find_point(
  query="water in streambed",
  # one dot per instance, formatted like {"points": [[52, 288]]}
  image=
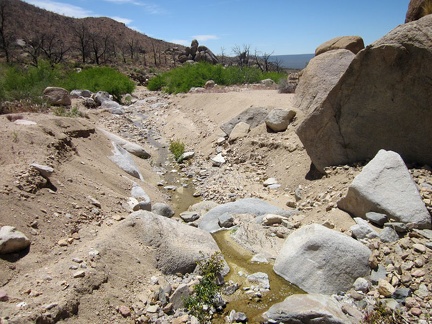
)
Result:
{"points": [[240, 265], [236, 256], [238, 260]]}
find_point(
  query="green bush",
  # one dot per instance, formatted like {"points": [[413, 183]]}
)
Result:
{"points": [[183, 78], [100, 79], [207, 288], [27, 83], [177, 148]]}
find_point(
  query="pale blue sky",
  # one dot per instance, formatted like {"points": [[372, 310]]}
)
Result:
{"points": [[266, 26]]}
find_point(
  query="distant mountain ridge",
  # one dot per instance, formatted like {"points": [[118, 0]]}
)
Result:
{"points": [[293, 61]]}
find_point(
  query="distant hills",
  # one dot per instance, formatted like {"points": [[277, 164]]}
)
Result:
{"points": [[29, 34], [295, 61]]}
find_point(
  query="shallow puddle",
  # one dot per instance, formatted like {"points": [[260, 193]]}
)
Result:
{"points": [[238, 259]]}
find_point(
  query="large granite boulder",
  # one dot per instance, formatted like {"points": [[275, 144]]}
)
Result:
{"points": [[385, 186], [320, 76], [320, 260], [252, 206], [310, 308], [381, 102], [57, 96], [177, 246], [352, 43]]}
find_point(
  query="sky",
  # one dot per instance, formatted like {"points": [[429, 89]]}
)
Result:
{"points": [[277, 27]]}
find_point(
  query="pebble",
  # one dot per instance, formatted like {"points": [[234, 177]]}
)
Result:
{"points": [[79, 274], [419, 248], [3, 296], [124, 311]]}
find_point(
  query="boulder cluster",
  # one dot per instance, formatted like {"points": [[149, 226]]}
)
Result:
{"points": [[197, 53]]}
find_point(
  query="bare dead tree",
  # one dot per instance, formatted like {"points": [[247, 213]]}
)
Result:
{"points": [[262, 60], [242, 54], [101, 48], [33, 48], [222, 55], [83, 40], [154, 53], [5, 37], [54, 48]]}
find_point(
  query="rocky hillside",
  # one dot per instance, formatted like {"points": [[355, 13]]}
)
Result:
{"points": [[30, 33]]}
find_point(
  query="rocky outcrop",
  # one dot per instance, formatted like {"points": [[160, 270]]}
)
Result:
{"points": [[385, 186], [320, 76], [310, 308], [321, 260], [197, 53], [381, 102], [352, 43]]}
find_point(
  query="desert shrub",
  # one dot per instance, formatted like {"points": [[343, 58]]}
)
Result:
{"points": [[64, 112], [27, 83], [205, 292], [177, 148], [100, 79], [185, 77]]}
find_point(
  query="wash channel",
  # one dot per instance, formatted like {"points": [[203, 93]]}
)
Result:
{"points": [[237, 257]]}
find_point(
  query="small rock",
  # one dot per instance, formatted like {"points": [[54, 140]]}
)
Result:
{"points": [[416, 311], [189, 216], [63, 242], [419, 248], [226, 220], [79, 274], [218, 160], [270, 181], [418, 273], [361, 284], [152, 309], [124, 311], [3, 296], [385, 288], [44, 170], [376, 218], [12, 240]]}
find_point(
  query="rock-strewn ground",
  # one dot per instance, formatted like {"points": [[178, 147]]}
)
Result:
{"points": [[69, 218]]}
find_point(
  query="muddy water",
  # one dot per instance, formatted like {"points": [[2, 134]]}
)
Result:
{"points": [[239, 261]]}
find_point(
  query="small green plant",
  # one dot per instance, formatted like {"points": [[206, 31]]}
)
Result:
{"points": [[383, 315], [177, 148], [63, 112], [15, 137], [205, 292]]}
